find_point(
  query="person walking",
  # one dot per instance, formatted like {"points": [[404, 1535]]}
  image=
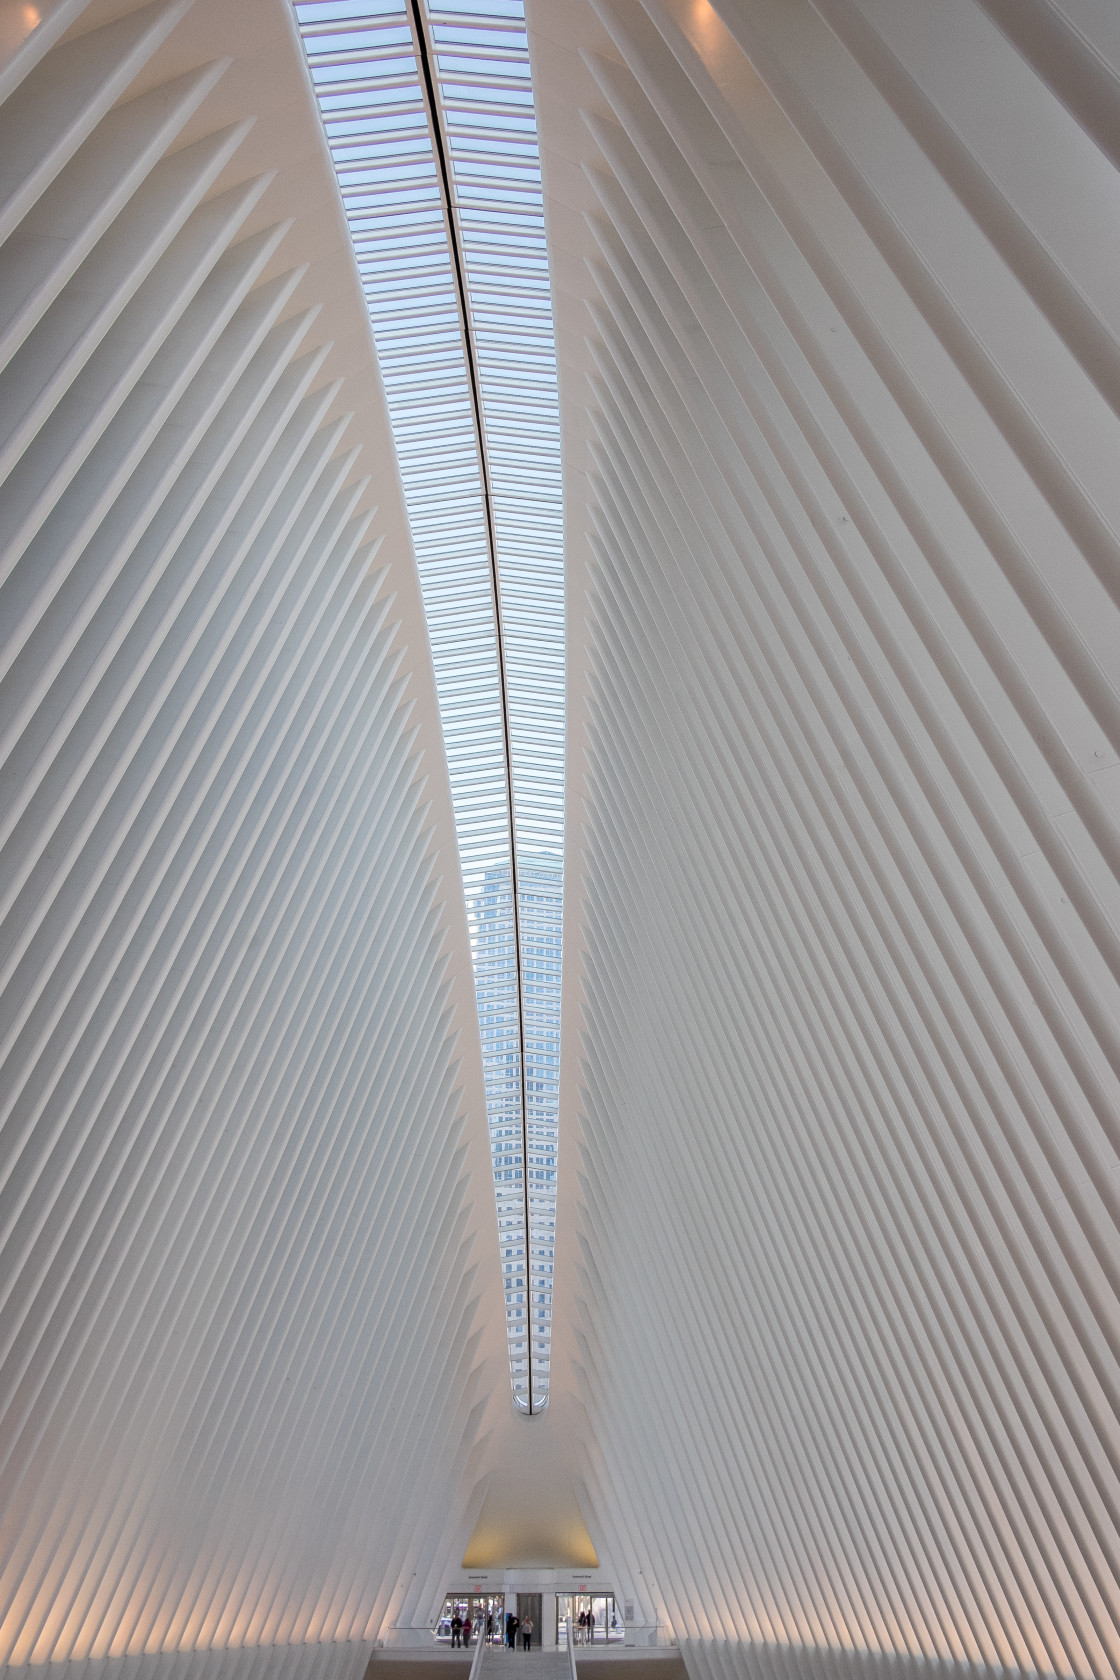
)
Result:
{"points": [[467, 1625], [527, 1632], [456, 1630], [580, 1636], [489, 1627], [511, 1631], [590, 1626]]}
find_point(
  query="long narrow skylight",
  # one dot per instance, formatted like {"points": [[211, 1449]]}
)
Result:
{"points": [[419, 262]]}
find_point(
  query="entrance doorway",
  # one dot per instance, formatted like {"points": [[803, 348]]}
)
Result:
{"points": [[529, 1604], [486, 1611], [601, 1630]]}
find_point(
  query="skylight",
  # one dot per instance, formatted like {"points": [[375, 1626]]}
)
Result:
{"points": [[500, 681]]}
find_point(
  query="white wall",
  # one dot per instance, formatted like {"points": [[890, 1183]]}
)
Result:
{"points": [[838, 326], [251, 1329], [836, 1319]]}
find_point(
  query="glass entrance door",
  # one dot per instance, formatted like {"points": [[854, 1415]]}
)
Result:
{"points": [[593, 1618], [486, 1613]]}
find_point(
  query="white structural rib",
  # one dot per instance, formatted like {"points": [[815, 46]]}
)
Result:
{"points": [[429, 115], [839, 341], [243, 1333], [840, 352]]}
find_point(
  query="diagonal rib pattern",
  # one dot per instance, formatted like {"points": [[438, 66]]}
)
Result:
{"points": [[839, 362], [241, 1350]]}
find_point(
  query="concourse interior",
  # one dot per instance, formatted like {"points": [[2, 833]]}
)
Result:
{"points": [[593, 1618], [560, 839]]}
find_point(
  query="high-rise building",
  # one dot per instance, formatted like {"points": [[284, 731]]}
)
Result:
{"points": [[522, 1181]]}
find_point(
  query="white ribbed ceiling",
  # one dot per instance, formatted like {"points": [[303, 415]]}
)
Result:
{"points": [[838, 343], [835, 1371], [247, 1336]]}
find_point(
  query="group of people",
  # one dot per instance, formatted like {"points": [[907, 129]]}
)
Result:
{"points": [[462, 1627], [515, 1624]]}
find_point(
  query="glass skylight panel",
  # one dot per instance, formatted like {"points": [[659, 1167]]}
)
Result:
{"points": [[372, 97]]}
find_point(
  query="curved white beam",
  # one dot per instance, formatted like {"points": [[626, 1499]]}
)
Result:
{"points": [[250, 1324], [837, 326]]}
